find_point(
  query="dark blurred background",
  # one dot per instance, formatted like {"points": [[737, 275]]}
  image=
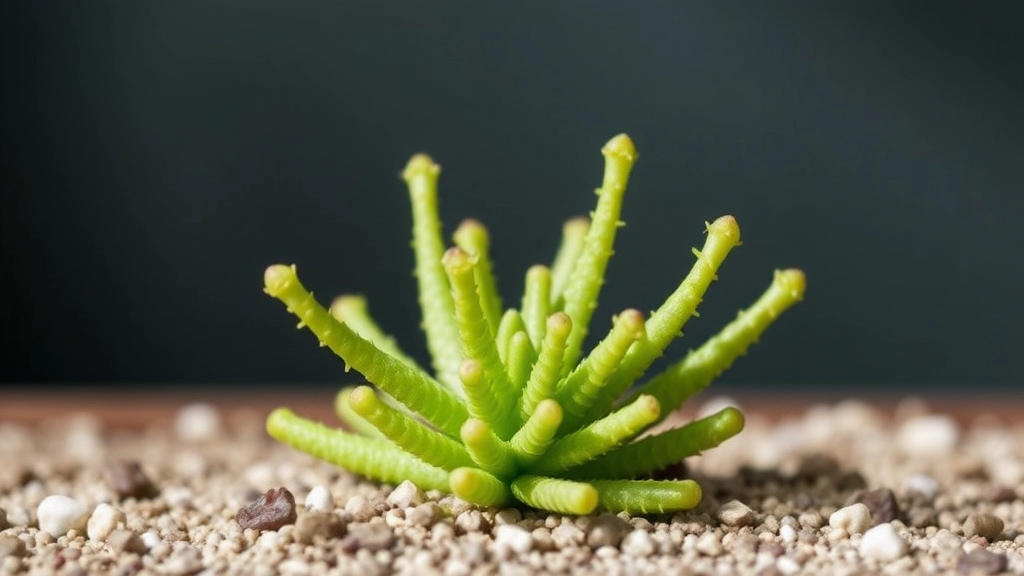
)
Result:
{"points": [[158, 156]]}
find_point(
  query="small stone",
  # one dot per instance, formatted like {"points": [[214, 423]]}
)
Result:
{"points": [[638, 543], [882, 543], [126, 541], [513, 538], [270, 511], [127, 480], [606, 530], [370, 537], [735, 513], [930, 436], [981, 561], [995, 494], [360, 508], [787, 565], [709, 544], [406, 495], [3, 519], [11, 546], [811, 520], [988, 526], [59, 514], [197, 422], [314, 526], [319, 499], [881, 504], [923, 485], [787, 533], [853, 519], [423, 515], [921, 517], [103, 521]]}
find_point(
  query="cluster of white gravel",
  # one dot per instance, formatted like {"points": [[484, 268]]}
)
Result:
{"points": [[842, 489]]}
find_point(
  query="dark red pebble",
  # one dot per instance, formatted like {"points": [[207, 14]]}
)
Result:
{"points": [[270, 511]]}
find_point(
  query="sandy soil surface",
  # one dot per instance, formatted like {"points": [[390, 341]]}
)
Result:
{"points": [[837, 489]]}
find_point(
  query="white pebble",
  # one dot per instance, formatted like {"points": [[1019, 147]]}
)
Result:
{"points": [[150, 539], [787, 533], [360, 508], [882, 543], [922, 484], [59, 514], [638, 543], [735, 513], [787, 565], [514, 538], [854, 519], [103, 521], [928, 436], [319, 499], [406, 495], [197, 422]]}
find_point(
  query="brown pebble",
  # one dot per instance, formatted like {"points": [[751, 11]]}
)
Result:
{"points": [[921, 517], [1000, 494], [606, 530], [11, 546], [3, 519], [981, 561], [818, 466], [851, 481], [270, 511], [127, 480], [371, 537], [987, 526], [773, 548], [314, 526], [881, 503], [126, 541]]}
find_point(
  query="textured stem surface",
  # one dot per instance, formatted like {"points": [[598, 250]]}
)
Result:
{"points": [[472, 236], [647, 496], [555, 494]]}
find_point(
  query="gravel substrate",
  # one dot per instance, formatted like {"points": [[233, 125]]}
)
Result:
{"points": [[841, 489]]}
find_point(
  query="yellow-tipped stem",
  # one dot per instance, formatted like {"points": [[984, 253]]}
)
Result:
{"points": [[349, 418], [420, 175], [587, 276], [487, 450], [521, 358], [598, 437], [511, 323], [556, 495], [574, 234], [472, 236], [548, 369], [533, 439], [536, 302], [479, 487]]}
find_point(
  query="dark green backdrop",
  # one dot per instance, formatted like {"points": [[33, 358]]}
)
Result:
{"points": [[159, 155]]}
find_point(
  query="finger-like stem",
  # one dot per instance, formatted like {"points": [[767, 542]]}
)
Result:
{"points": [[351, 310], [587, 276], [487, 450], [426, 444], [439, 324], [369, 457], [494, 390], [574, 235], [556, 495], [647, 496], [407, 384], [700, 367], [667, 322], [521, 358], [472, 236], [479, 487], [653, 453], [598, 437], [511, 323], [533, 439], [349, 418], [480, 394], [537, 302], [548, 368], [585, 384]]}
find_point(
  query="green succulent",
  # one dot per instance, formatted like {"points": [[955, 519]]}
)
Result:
{"points": [[514, 412]]}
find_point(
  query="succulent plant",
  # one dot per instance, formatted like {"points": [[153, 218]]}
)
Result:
{"points": [[514, 412]]}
